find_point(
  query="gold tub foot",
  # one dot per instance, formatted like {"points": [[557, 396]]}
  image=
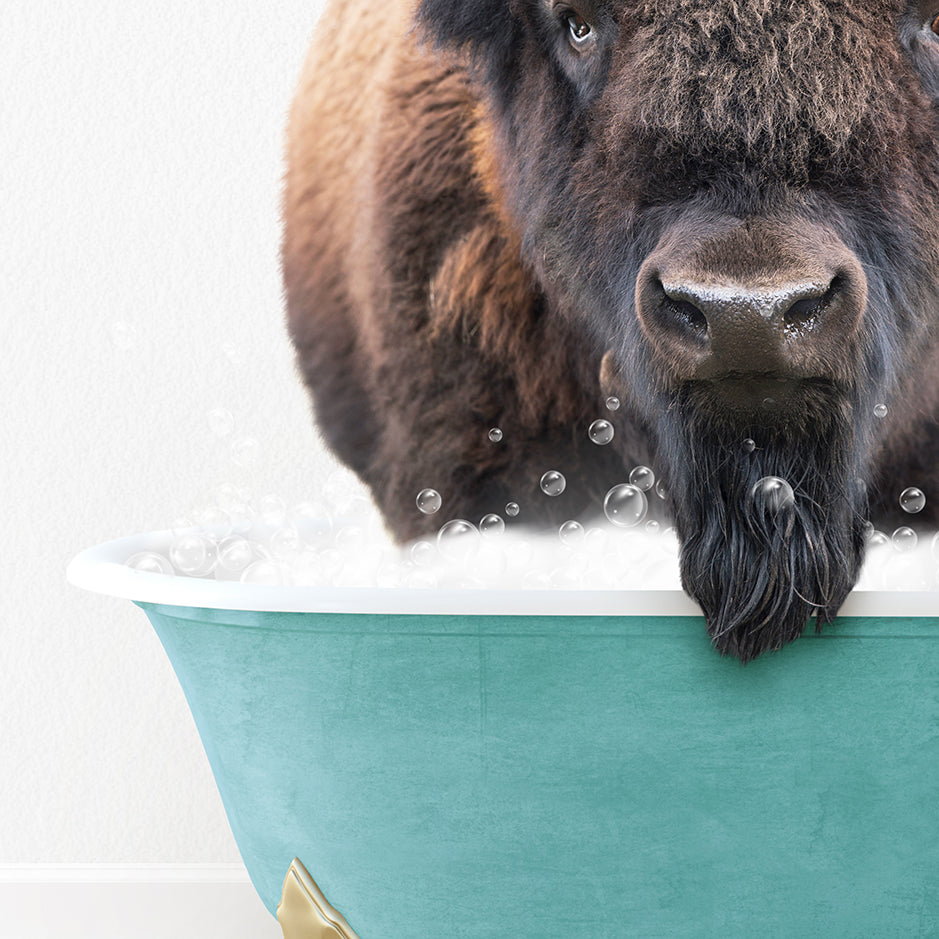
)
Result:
{"points": [[303, 911]]}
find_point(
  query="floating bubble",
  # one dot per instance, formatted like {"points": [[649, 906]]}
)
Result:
{"points": [[912, 500], [660, 490], [769, 403], [748, 446], [625, 505], [553, 483], [880, 410], [429, 501], [600, 432], [491, 524], [234, 554], [495, 434], [773, 494], [458, 540], [422, 553], [612, 403], [245, 450], [876, 538], [242, 517], [221, 421], [904, 539], [652, 526], [192, 553], [272, 510], [571, 533], [642, 478], [268, 573], [149, 561], [511, 509], [311, 520]]}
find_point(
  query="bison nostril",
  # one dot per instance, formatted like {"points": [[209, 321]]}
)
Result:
{"points": [[689, 315], [675, 310], [804, 311]]}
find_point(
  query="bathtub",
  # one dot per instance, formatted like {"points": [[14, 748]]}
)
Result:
{"points": [[417, 764]]}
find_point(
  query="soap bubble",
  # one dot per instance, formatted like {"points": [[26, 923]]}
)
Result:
{"points": [[193, 554], [748, 446], [491, 524], [428, 501], [272, 510], [772, 494], [458, 540], [880, 410], [877, 538], [612, 403], [625, 505], [652, 526], [234, 554], [286, 543], [269, 573], [495, 434], [571, 533], [660, 490], [245, 450], [221, 421], [423, 553], [242, 517], [511, 509], [904, 539], [553, 483], [912, 500], [215, 522], [642, 478], [149, 561], [600, 432], [311, 520], [597, 539]]}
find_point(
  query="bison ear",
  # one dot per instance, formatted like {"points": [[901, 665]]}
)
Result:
{"points": [[471, 24]]}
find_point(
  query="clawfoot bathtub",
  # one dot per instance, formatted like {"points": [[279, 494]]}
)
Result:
{"points": [[548, 763]]}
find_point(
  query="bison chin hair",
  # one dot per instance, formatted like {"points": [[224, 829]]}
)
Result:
{"points": [[759, 563]]}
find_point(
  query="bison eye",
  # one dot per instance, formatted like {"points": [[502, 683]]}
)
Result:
{"points": [[580, 30], [934, 25]]}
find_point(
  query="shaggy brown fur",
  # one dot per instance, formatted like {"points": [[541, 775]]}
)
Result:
{"points": [[471, 197]]}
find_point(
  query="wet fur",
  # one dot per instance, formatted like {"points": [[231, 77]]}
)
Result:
{"points": [[466, 212]]}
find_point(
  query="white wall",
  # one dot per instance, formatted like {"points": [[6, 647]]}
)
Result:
{"points": [[140, 163]]}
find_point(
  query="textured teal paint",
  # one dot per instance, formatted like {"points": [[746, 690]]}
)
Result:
{"points": [[540, 777]]}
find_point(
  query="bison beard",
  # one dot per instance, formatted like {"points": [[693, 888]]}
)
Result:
{"points": [[760, 574]]}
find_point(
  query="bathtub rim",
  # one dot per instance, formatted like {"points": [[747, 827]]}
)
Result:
{"points": [[101, 569]]}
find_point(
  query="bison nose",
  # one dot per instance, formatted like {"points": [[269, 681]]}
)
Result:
{"points": [[795, 319], [744, 328]]}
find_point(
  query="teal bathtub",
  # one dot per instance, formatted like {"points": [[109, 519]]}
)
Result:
{"points": [[581, 765]]}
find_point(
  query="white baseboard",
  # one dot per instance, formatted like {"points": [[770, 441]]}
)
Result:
{"points": [[131, 901]]}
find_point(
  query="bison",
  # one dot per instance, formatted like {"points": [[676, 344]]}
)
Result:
{"points": [[724, 212]]}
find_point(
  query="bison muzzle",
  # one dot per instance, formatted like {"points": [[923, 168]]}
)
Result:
{"points": [[725, 213]]}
